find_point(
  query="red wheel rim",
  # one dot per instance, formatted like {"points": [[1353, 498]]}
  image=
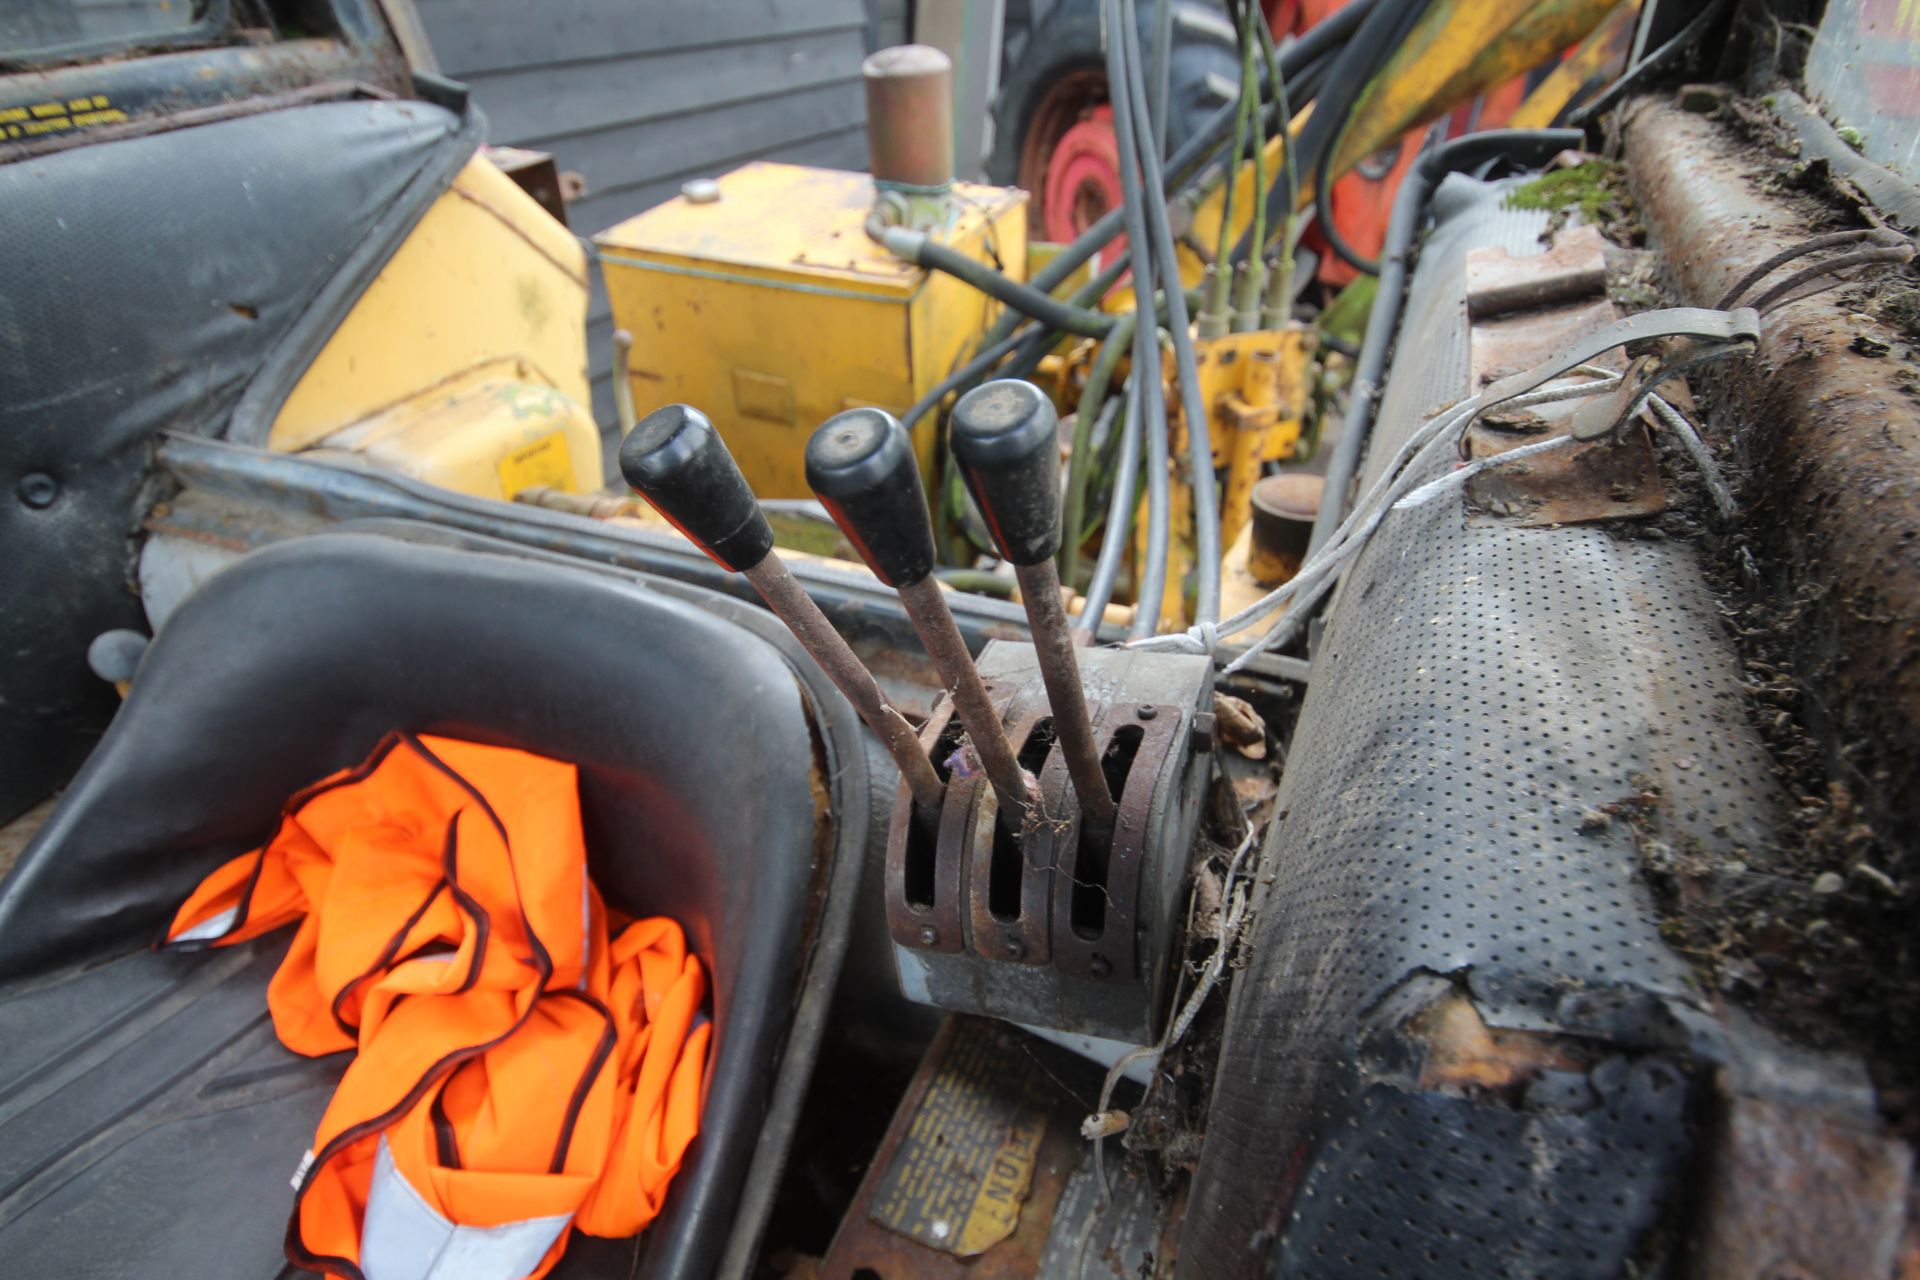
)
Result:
{"points": [[1069, 160]]}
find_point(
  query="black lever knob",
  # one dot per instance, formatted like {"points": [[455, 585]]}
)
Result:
{"points": [[1006, 437], [678, 462], [861, 466]]}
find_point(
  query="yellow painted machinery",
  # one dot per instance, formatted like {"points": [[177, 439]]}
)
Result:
{"points": [[464, 364], [761, 297]]}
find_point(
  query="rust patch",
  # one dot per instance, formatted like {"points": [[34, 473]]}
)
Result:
{"points": [[1823, 571], [1793, 1192], [1574, 268], [1608, 479], [1515, 343], [1464, 1054]]}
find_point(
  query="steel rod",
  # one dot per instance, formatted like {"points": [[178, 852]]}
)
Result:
{"points": [[1059, 667], [926, 606]]}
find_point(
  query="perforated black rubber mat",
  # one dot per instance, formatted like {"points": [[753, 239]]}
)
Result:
{"points": [[1481, 691]]}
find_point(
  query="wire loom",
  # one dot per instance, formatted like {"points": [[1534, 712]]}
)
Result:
{"points": [[1718, 335]]}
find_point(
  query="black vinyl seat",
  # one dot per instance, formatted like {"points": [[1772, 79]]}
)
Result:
{"points": [[150, 1121]]}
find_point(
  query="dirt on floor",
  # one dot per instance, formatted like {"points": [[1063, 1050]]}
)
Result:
{"points": [[1817, 934]]}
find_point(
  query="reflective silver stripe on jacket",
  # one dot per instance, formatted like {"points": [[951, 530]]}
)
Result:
{"points": [[405, 1238]]}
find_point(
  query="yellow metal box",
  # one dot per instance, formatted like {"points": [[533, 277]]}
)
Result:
{"points": [[770, 310]]}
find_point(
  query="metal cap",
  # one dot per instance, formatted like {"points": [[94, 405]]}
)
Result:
{"points": [[1006, 437], [910, 115], [677, 462], [1284, 507], [861, 466]]}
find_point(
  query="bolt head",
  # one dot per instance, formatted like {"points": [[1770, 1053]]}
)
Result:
{"points": [[929, 936], [1147, 712], [1100, 966], [38, 490], [1016, 949], [1202, 730]]}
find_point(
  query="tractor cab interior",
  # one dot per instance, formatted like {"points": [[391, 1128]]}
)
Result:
{"points": [[155, 1079]]}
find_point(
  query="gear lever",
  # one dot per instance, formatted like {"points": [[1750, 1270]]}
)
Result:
{"points": [[1006, 438], [861, 465], [677, 461]]}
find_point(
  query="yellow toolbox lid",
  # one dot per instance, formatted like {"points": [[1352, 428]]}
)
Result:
{"points": [[789, 223]]}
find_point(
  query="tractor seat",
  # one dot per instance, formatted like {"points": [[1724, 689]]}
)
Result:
{"points": [[149, 1119]]}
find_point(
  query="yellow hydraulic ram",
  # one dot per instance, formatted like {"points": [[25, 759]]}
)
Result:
{"points": [[1459, 49]]}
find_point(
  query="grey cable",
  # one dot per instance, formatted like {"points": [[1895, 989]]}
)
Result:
{"points": [[1206, 502], [1146, 347], [1119, 530], [1161, 73], [1697, 449], [1735, 332]]}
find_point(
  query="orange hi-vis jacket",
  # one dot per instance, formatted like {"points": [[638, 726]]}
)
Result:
{"points": [[518, 1071]]}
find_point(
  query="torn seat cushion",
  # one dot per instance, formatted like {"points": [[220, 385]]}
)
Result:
{"points": [[151, 1085]]}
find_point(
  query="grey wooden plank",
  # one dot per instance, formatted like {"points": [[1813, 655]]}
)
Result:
{"points": [[471, 36], [666, 151], [540, 107]]}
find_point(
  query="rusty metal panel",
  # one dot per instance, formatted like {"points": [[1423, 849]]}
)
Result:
{"points": [[1104, 973], [1021, 939]]}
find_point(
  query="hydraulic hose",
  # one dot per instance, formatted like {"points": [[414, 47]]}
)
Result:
{"points": [[1080, 465], [1374, 40], [1033, 337], [1120, 508], [1238, 148], [1248, 53], [1277, 308], [1151, 587], [1309, 58], [1323, 168], [1522, 147], [923, 250], [1206, 502], [1161, 74], [1323, 210]]}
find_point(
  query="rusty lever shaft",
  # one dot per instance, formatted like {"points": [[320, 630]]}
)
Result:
{"points": [[861, 466], [1006, 438], [790, 601], [676, 460]]}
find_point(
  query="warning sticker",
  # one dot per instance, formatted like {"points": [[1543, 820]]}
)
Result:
{"points": [[33, 119], [544, 462], [965, 1165]]}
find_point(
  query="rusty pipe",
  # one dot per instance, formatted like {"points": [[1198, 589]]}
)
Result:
{"points": [[1060, 670], [910, 116], [926, 606]]}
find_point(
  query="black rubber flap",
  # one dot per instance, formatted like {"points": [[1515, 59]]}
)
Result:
{"points": [[144, 284]]}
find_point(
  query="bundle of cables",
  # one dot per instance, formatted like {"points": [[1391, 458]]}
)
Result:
{"points": [[1275, 83]]}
